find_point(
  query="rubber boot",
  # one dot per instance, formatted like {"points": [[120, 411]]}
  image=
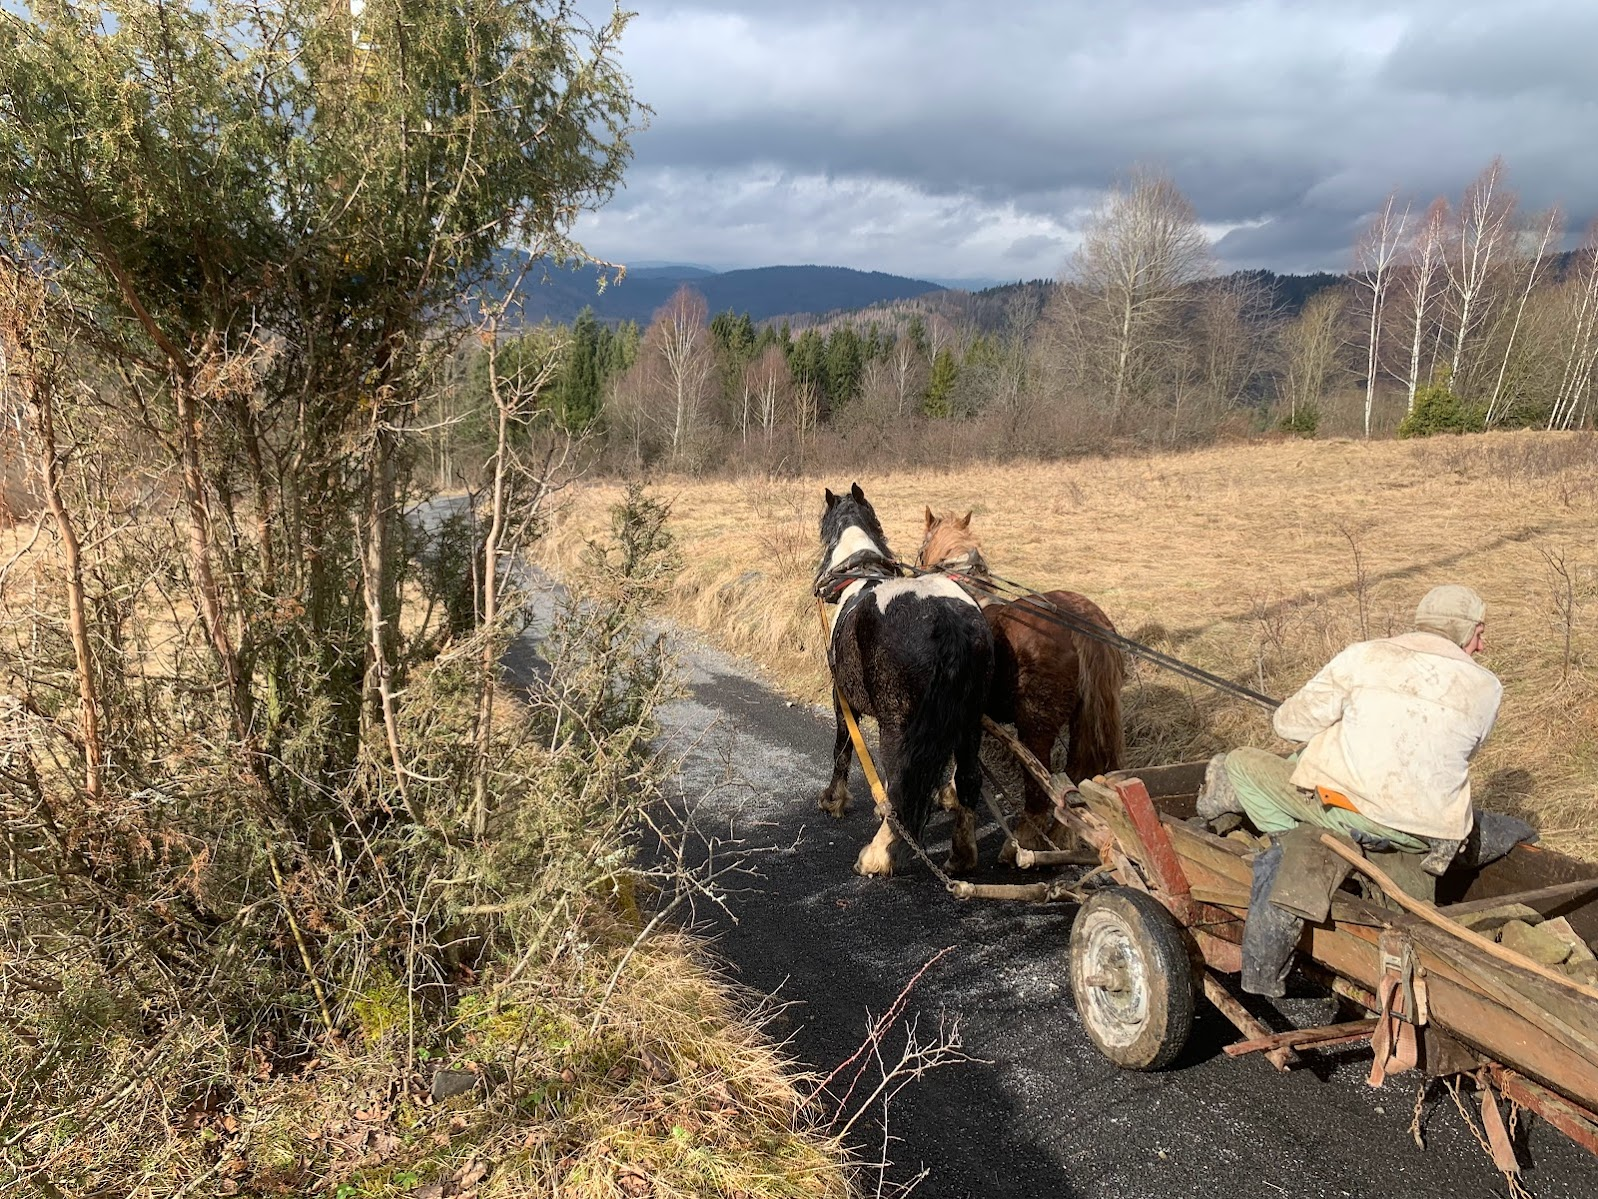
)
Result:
{"points": [[1270, 934], [1217, 797]]}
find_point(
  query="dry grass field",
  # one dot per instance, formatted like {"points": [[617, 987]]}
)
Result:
{"points": [[1257, 561]]}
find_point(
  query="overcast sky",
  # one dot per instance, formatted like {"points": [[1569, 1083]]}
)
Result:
{"points": [[952, 139]]}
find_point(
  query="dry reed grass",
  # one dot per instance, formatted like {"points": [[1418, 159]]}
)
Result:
{"points": [[1257, 561]]}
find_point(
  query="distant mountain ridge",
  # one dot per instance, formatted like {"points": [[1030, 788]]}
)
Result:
{"points": [[559, 294], [818, 294]]}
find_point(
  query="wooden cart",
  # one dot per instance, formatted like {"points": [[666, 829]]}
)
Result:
{"points": [[1170, 929]]}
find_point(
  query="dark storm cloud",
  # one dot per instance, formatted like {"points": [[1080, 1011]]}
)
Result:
{"points": [[975, 138]]}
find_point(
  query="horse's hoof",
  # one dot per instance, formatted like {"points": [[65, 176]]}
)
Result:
{"points": [[833, 805], [1041, 831], [874, 862], [959, 863]]}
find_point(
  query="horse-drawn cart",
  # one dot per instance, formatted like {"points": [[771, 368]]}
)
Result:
{"points": [[1438, 998]]}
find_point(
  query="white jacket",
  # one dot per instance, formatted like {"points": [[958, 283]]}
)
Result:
{"points": [[1392, 725]]}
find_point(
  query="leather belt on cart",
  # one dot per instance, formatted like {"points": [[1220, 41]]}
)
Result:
{"points": [[1401, 994]]}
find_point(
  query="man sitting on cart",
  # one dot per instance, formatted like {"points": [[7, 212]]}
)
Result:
{"points": [[1390, 727]]}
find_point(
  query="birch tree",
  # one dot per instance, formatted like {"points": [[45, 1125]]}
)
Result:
{"points": [[682, 341], [908, 369], [1312, 350], [1419, 283], [1375, 254], [1477, 244], [766, 379], [1546, 232], [1580, 293]]}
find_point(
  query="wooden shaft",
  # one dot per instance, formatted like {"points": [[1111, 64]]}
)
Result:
{"points": [[1027, 892], [1304, 1038], [1431, 916], [1243, 1021], [1025, 859]]}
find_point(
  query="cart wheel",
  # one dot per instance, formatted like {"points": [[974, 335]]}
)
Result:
{"points": [[1132, 978]]}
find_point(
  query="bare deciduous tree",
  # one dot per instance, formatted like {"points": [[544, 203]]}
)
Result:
{"points": [[1374, 256], [1581, 338], [1419, 282], [767, 380], [1546, 230], [1312, 347], [909, 374], [1140, 251], [31, 376], [1477, 243], [681, 339]]}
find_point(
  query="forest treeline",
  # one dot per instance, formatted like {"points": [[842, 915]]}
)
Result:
{"points": [[1455, 315]]}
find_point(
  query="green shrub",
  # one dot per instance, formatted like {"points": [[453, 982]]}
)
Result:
{"points": [[1303, 421], [1438, 410]]}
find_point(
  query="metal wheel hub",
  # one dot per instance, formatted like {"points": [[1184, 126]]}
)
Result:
{"points": [[1117, 987]]}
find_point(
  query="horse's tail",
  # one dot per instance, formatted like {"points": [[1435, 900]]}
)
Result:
{"points": [[948, 713], [1098, 741]]}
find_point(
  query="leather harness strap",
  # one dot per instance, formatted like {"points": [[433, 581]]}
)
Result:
{"points": [[1395, 1043]]}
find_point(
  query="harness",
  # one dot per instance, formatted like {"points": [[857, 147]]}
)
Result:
{"points": [[970, 571], [867, 565]]}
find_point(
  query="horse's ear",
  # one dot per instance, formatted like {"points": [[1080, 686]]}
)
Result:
{"points": [[931, 520], [859, 496], [965, 521], [831, 499]]}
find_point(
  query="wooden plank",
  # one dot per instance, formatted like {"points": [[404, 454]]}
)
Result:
{"points": [[1228, 897], [1581, 886], [1524, 868], [1508, 990], [1158, 858], [1498, 1031], [1430, 915], [1220, 865], [1323, 1037], [1226, 1003], [1221, 954]]}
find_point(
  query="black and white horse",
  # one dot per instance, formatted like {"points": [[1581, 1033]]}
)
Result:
{"points": [[917, 655]]}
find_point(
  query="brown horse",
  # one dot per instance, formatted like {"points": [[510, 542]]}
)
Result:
{"points": [[1045, 676]]}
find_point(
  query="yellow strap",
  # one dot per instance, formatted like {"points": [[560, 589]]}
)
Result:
{"points": [[879, 793]]}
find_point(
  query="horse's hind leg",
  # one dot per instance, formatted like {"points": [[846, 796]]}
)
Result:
{"points": [[834, 800], [1037, 827], [968, 791], [876, 859]]}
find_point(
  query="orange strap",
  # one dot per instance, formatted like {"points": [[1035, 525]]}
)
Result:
{"points": [[1336, 799]]}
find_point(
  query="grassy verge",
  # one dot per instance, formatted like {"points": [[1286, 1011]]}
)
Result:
{"points": [[590, 1058], [1257, 561]]}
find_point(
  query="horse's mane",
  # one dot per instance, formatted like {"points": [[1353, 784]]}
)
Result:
{"points": [[948, 538]]}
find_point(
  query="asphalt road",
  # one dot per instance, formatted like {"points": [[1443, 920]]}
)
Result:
{"points": [[1037, 1112]]}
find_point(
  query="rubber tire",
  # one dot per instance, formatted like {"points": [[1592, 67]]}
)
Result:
{"points": [[1146, 1025]]}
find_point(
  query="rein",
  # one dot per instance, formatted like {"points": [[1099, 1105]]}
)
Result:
{"points": [[971, 569]]}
